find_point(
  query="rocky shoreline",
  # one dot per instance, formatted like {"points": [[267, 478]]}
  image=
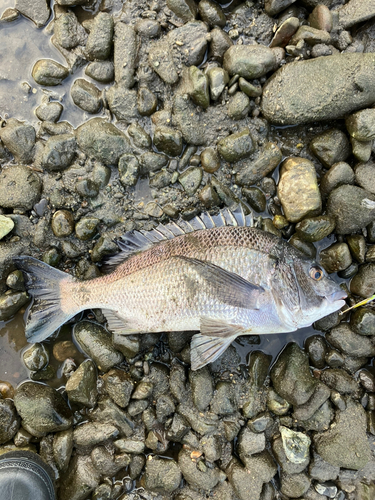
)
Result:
{"points": [[190, 107]]}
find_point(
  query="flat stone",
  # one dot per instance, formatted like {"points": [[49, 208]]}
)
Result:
{"points": [[93, 433], [339, 174], [356, 11], [345, 444], [304, 91], [236, 146], [253, 171], [6, 225], [331, 147], [249, 61], [125, 52], [81, 385], [99, 41], [36, 10], [348, 342], [162, 475], [19, 138], [59, 151], [298, 189], [20, 187], [86, 95], [361, 125], [49, 72]]}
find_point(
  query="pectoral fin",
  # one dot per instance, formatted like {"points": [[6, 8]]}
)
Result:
{"points": [[204, 350], [229, 288]]}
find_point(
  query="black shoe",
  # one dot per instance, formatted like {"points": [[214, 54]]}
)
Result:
{"points": [[24, 476]]}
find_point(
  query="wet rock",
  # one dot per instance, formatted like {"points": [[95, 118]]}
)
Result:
{"points": [[345, 444], [238, 106], [217, 79], [161, 61], [335, 258], [249, 443], [6, 225], [204, 477], [151, 162], [185, 9], [236, 146], [363, 283], [361, 150], [68, 32], [248, 481], [294, 485], [355, 12], [208, 196], [49, 111], [81, 385], [198, 87], [130, 445], [298, 189], [255, 198], [62, 223], [168, 140], [188, 120], [59, 152], [273, 7], [38, 11], [147, 101], [162, 475], [93, 433], [361, 125], [108, 412], [321, 470], [286, 102], [316, 347], [128, 168], [202, 387], [249, 61], [62, 449], [123, 103], [364, 176], [348, 342], [315, 228], [95, 341], [291, 375], [253, 171], [86, 95], [108, 463], [101, 71], [191, 51], [321, 18], [311, 36], [219, 44], [102, 141], [190, 180], [119, 386], [99, 41], [225, 400], [20, 187], [352, 208], [296, 445], [19, 138], [125, 53], [211, 13], [339, 174], [86, 228], [362, 321], [277, 404], [338, 379], [35, 357], [140, 137], [49, 72], [197, 420], [249, 89], [331, 147], [80, 480], [285, 463], [148, 28], [210, 160], [9, 420], [64, 349], [42, 409]]}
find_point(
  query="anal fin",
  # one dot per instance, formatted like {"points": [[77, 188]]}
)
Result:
{"points": [[204, 350], [116, 324]]}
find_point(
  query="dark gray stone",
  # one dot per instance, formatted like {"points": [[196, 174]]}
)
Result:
{"points": [[19, 138], [162, 475], [86, 95], [101, 71], [249, 61], [59, 152], [331, 147], [123, 103], [9, 420], [81, 385], [125, 53], [99, 41], [49, 72], [20, 187]]}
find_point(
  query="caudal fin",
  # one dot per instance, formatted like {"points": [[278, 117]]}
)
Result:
{"points": [[42, 282]]}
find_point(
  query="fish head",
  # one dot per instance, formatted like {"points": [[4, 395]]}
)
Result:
{"points": [[305, 292]]}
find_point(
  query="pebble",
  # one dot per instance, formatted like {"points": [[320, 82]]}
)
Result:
{"points": [[361, 150], [49, 72], [236, 146], [140, 137], [255, 198], [62, 223], [42, 409], [273, 7], [96, 342], [49, 111], [9, 420], [201, 387], [184, 9], [198, 87], [128, 167], [316, 346], [123, 103], [339, 380], [6, 226], [339, 174], [210, 160], [12, 302], [102, 140], [35, 357], [19, 138], [363, 283], [119, 386], [168, 140], [331, 147], [217, 80], [161, 61], [285, 32], [99, 41], [191, 179], [162, 475], [238, 106], [321, 470], [253, 171], [148, 28], [311, 36], [86, 95], [345, 443], [211, 13], [192, 50], [86, 228], [101, 71], [220, 43], [82, 478], [93, 433], [189, 120], [315, 228], [249, 89], [280, 102], [249, 61], [294, 485], [59, 152], [364, 176], [348, 342], [206, 479], [38, 11], [336, 257], [291, 375], [147, 101], [298, 189], [296, 445], [81, 385], [362, 321], [355, 12], [321, 18], [348, 206]]}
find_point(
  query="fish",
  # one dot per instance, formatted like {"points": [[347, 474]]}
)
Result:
{"points": [[218, 275]]}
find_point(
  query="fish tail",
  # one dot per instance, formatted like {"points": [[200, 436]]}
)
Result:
{"points": [[45, 315]]}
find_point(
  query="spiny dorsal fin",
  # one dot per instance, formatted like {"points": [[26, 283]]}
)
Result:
{"points": [[137, 241]]}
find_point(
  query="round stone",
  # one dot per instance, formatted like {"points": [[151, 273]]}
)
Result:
{"points": [[36, 357], [62, 223]]}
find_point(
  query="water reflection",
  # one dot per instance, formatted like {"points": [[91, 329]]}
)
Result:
{"points": [[12, 342]]}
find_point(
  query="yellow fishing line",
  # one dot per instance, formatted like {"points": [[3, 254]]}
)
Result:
{"points": [[362, 303]]}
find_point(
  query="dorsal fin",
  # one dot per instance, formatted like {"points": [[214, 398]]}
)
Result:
{"points": [[137, 241]]}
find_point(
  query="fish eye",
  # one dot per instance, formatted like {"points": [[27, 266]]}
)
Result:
{"points": [[316, 273]]}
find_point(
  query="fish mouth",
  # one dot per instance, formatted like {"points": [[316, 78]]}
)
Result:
{"points": [[340, 295]]}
